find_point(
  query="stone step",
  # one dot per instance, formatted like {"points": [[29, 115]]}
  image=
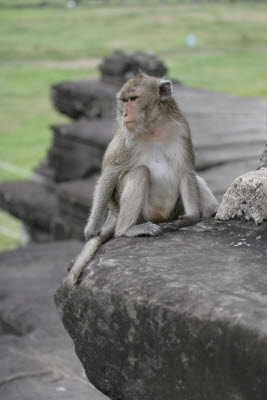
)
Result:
{"points": [[225, 129], [49, 213], [179, 316], [78, 148], [32, 202], [37, 357]]}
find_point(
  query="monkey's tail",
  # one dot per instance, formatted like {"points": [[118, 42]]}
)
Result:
{"points": [[209, 203], [87, 254]]}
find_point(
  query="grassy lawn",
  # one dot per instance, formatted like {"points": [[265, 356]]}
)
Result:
{"points": [[9, 231], [39, 47], [26, 112]]}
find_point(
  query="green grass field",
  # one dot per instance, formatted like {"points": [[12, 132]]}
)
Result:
{"points": [[39, 47]]}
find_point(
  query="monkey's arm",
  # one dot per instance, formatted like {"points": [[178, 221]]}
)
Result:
{"points": [[103, 192], [112, 166]]}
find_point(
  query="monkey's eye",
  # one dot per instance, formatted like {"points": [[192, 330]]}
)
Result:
{"points": [[133, 98], [124, 100]]}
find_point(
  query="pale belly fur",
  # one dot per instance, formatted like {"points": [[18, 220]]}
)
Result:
{"points": [[164, 180]]}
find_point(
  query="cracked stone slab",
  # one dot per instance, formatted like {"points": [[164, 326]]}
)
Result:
{"points": [[37, 357], [179, 316]]}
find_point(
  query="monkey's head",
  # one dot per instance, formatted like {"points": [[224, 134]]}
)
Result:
{"points": [[143, 102]]}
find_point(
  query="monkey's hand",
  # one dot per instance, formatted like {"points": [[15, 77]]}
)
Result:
{"points": [[91, 230], [181, 222]]}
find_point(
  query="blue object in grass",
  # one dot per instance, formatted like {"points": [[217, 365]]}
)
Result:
{"points": [[191, 40]]}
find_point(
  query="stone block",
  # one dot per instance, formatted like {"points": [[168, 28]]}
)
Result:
{"points": [[78, 148], [37, 357], [118, 67], [179, 316], [74, 202], [32, 202], [90, 99]]}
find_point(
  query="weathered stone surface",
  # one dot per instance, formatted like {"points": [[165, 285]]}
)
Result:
{"points": [[119, 67], [74, 203], [179, 316], [263, 160], [224, 128], [37, 358], [90, 99], [30, 201], [44, 172], [246, 198]]}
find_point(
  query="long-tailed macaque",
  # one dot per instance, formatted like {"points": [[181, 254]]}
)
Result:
{"points": [[148, 181]]}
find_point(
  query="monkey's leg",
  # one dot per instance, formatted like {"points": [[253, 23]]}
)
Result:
{"points": [[209, 203], [134, 186], [190, 195], [148, 228]]}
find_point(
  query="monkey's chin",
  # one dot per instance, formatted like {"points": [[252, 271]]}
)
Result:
{"points": [[130, 125]]}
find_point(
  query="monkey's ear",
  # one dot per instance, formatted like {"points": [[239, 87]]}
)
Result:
{"points": [[138, 73], [165, 90]]}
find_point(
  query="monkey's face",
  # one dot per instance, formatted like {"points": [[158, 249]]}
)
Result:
{"points": [[140, 102], [130, 111]]}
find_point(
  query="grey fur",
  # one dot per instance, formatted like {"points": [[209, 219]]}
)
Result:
{"points": [[148, 174]]}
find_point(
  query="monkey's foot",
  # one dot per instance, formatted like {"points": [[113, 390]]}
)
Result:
{"points": [[70, 265], [147, 228], [90, 232], [182, 222]]}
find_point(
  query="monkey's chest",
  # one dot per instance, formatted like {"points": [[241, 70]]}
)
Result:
{"points": [[163, 188]]}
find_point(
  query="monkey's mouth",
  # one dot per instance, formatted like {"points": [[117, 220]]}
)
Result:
{"points": [[129, 122]]}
